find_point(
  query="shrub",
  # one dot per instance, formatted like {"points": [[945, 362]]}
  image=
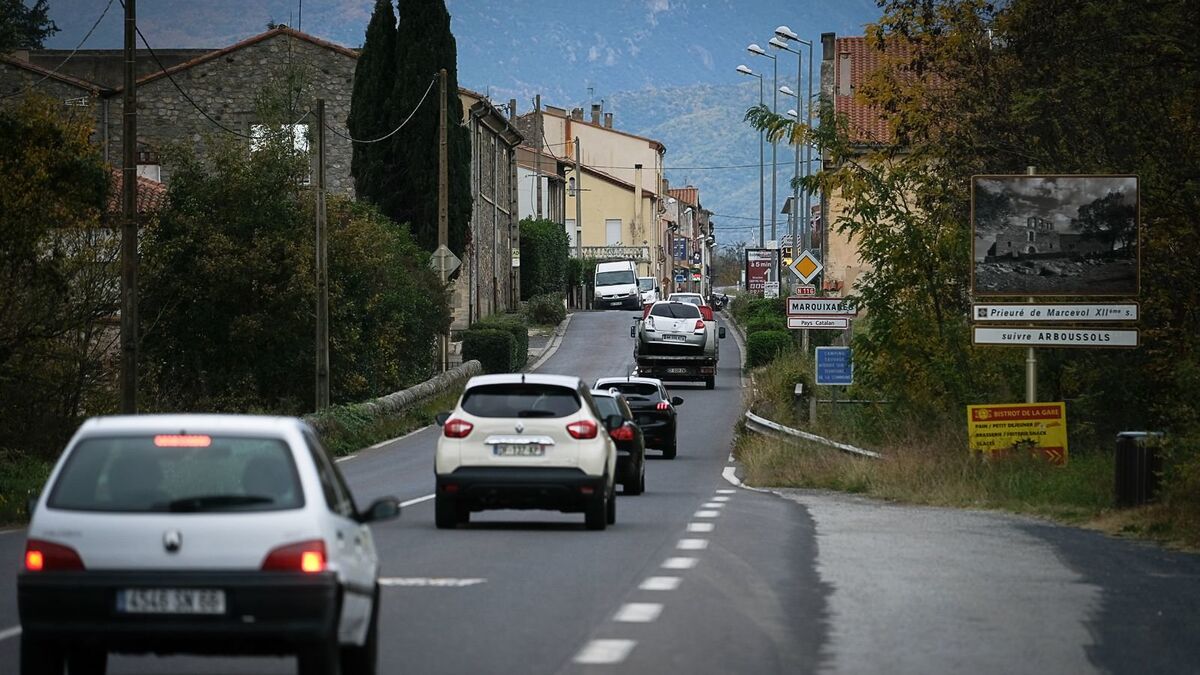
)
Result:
{"points": [[546, 309], [543, 257], [514, 325], [492, 347], [762, 347], [758, 324]]}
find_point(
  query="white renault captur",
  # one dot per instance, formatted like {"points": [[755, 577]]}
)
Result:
{"points": [[210, 534], [525, 441]]}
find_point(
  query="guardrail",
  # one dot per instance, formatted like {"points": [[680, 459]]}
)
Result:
{"points": [[766, 427], [399, 401]]}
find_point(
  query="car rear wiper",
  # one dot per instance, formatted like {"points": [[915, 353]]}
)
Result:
{"points": [[215, 502], [536, 413]]}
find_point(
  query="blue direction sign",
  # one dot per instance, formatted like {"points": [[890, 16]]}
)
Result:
{"points": [[680, 277], [835, 366]]}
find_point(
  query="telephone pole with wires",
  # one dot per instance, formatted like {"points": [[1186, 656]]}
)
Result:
{"points": [[322, 267], [129, 225]]}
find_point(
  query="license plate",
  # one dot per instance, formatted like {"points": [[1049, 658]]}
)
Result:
{"points": [[171, 601], [523, 450], [677, 371], [675, 338]]}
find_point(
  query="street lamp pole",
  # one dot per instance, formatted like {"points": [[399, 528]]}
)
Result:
{"points": [[761, 163], [755, 49], [782, 35]]}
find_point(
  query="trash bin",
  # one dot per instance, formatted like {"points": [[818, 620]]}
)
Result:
{"points": [[1138, 467]]}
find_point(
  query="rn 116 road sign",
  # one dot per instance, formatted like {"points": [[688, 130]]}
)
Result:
{"points": [[835, 365], [820, 307]]}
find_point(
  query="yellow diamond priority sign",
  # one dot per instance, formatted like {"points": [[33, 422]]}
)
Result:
{"points": [[806, 267]]}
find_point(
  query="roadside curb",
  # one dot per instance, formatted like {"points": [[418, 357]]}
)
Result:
{"points": [[551, 348]]}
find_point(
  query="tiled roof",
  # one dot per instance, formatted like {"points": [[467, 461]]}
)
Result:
{"points": [[151, 195], [43, 72], [687, 195], [868, 124]]}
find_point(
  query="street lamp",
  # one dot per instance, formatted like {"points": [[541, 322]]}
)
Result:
{"points": [[784, 36], [744, 70], [759, 51]]}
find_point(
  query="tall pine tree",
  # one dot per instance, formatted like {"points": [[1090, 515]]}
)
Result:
{"points": [[424, 44], [374, 78]]}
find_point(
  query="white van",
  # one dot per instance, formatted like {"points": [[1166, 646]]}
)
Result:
{"points": [[648, 287], [616, 285]]}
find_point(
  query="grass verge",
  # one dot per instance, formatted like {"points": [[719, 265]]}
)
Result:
{"points": [[346, 431], [21, 477]]}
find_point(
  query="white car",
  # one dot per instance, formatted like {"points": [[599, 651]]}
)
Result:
{"points": [[209, 534], [648, 288], [690, 298], [525, 441]]}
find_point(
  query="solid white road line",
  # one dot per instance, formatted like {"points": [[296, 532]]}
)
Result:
{"points": [[700, 527], [726, 491], [721, 498], [380, 444], [659, 584], [713, 505], [679, 563], [347, 458], [599, 652], [707, 514], [10, 632], [13, 530], [440, 582], [692, 544], [638, 612], [418, 500]]}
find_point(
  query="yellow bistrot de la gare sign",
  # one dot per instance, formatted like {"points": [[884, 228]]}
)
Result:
{"points": [[1038, 427]]}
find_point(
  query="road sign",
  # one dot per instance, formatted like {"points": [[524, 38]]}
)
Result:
{"points": [[516, 257], [805, 291], [1025, 336], [680, 277], [835, 365], [820, 307], [806, 267], [818, 322], [759, 262], [771, 289], [1056, 312], [451, 261], [1037, 427]]}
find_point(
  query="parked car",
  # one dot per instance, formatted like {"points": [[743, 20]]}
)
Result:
{"points": [[653, 409], [526, 441], [648, 287], [631, 446], [210, 534], [616, 285]]}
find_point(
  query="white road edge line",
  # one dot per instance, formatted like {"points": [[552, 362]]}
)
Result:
{"points": [[681, 563], [700, 527], [600, 652], [439, 582], [418, 500], [692, 544], [12, 530], [380, 444], [638, 612], [730, 475], [10, 632], [659, 584]]}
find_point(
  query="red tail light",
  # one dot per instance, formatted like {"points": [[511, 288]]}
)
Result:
{"points": [[699, 326], [305, 556], [583, 429], [622, 433], [457, 428], [43, 556], [663, 405]]}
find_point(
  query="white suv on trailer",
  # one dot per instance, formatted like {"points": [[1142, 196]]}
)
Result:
{"points": [[210, 534], [525, 441]]}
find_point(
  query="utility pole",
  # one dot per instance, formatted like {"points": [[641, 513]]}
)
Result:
{"points": [[129, 225], [1030, 355], [774, 168], [537, 178], [322, 268], [443, 201], [579, 221]]}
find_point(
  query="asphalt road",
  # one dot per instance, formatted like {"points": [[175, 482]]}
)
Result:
{"points": [[698, 576]]}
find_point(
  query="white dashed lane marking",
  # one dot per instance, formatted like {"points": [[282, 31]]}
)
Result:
{"points": [[692, 544], [707, 514], [720, 498], [10, 632], [700, 527], [660, 584], [638, 612], [599, 652], [679, 563], [726, 491], [713, 505]]}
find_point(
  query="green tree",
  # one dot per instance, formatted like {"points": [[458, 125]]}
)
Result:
{"points": [[23, 27], [409, 192], [374, 77], [1110, 220], [543, 258]]}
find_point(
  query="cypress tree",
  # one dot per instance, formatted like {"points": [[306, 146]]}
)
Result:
{"points": [[424, 44], [374, 77]]}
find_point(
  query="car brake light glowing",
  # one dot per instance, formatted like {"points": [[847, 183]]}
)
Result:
{"points": [[699, 326], [663, 405], [182, 441], [43, 556], [457, 428], [622, 433], [305, 556], [583, 429]]}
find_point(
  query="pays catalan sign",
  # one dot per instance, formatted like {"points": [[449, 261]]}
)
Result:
{"points": [[1038, 427]]}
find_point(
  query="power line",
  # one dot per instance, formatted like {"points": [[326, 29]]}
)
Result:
{"points": [[393, 131], [69, 56]]}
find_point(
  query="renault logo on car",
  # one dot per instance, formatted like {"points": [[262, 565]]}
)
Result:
{"points": [[172, 540], [520, 427]]}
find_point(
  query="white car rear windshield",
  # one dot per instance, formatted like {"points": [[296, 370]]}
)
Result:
{"points": [[676, 310], [520, 400], [635, 389], [614, 278], [178, 473], [646, 284], [607, 405]]}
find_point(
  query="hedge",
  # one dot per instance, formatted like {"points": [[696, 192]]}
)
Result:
{"points": [[546, 309], [543, 257], [515, 326], [493, 348], [761, 347], [758, 324]]}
